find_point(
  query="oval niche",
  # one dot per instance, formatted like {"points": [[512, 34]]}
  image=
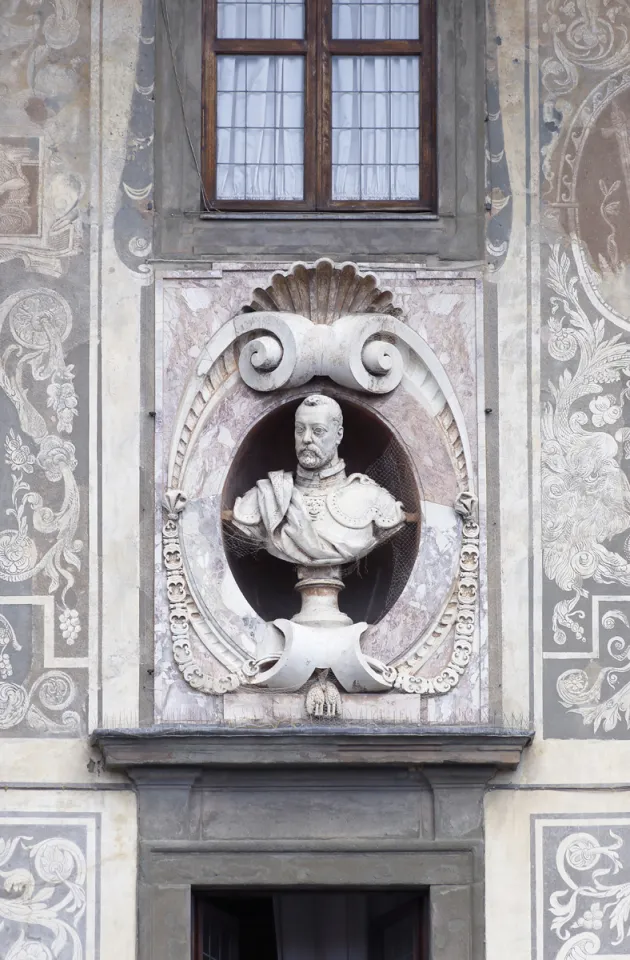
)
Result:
{"points": [[371, 585]]}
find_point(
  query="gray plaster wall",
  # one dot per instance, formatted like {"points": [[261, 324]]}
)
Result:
{"points": [[73, 133], [45, 394]]}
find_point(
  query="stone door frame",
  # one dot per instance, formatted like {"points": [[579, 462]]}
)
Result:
{"points": [[167, 765]]}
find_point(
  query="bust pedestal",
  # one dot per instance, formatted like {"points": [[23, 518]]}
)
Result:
{"points": [[311, 647], [319, 588]]}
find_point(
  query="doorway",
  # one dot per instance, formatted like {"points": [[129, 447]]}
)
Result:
{"points": [[339, 925]]}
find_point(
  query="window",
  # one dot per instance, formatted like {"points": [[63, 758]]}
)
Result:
{"points": [[319, 105], [447, 220]]}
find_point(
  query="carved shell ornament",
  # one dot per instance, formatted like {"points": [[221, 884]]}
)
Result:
{"points": [[335, 323], [323, 293]]}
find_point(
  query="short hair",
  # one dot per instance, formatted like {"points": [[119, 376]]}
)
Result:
{"points": [[320, 400]]}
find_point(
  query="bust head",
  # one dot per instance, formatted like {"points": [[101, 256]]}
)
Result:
{"points": [[318, 432]]}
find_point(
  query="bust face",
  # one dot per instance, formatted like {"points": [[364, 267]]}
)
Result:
{"points": [[317, 436]]}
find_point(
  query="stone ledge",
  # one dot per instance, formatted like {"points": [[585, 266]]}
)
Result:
{"points": [[206, 746]]}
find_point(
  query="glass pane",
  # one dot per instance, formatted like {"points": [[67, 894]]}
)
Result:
{"points": [[376, 20], [254, 20], [260, 128], [375, 128]]}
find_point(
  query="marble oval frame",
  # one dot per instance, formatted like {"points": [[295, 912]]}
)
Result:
{"points": [[217, 413]]}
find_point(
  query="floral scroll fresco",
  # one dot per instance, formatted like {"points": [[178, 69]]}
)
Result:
{"points": [[582, 868], [44, 278], [585, 366], [39, 542], [46, 888]]}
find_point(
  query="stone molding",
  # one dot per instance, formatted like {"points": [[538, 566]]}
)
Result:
{"points": [[191, 746]]}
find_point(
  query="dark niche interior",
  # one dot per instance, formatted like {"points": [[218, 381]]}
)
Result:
{"points": [[374, 583], [300, 925]]}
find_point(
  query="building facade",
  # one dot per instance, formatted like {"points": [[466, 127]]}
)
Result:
{"points": [[215, 220]]}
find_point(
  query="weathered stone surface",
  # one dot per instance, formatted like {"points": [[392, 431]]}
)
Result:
{"points": [[163, 746]]}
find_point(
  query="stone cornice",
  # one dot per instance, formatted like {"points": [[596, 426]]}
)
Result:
{"points": [[204, 746]]}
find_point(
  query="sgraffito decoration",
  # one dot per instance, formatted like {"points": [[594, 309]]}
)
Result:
{"points": [[39, 538], [47, 901], [582, 889], [42, 165], [585, 372]]}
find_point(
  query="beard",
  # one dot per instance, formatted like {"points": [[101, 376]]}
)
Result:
{"points": [[310, 457]]}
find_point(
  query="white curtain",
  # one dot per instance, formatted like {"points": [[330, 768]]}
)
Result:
{"points": [[375, 107], [282, 21], [375, 119], [260, 128], [375, 21]]}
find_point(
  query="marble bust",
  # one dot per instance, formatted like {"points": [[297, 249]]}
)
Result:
{"points": [[321, 518]]}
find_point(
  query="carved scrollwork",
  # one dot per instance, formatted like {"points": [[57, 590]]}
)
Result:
{"points": [[464, 615], [181, 606], [288, 350]]}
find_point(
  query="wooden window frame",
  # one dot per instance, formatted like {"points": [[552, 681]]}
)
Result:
{"points": [[318, 48]]}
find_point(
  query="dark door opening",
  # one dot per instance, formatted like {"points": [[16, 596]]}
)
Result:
{"points": [[357, 925]]}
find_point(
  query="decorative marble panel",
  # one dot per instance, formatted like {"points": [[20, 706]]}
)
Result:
{"points": [[443, 311]]}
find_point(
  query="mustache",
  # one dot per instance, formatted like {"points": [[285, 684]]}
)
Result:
{"points": [[308, 448], [309, 454]]}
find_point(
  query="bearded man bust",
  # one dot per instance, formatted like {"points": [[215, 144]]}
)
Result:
{"points": [[321, 519]]}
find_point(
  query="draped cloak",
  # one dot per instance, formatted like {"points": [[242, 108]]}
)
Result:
{"points": [[351, 518]]}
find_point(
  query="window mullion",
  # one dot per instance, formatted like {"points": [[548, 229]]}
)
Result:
{"points": [[323, 10], [310, 107]]}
